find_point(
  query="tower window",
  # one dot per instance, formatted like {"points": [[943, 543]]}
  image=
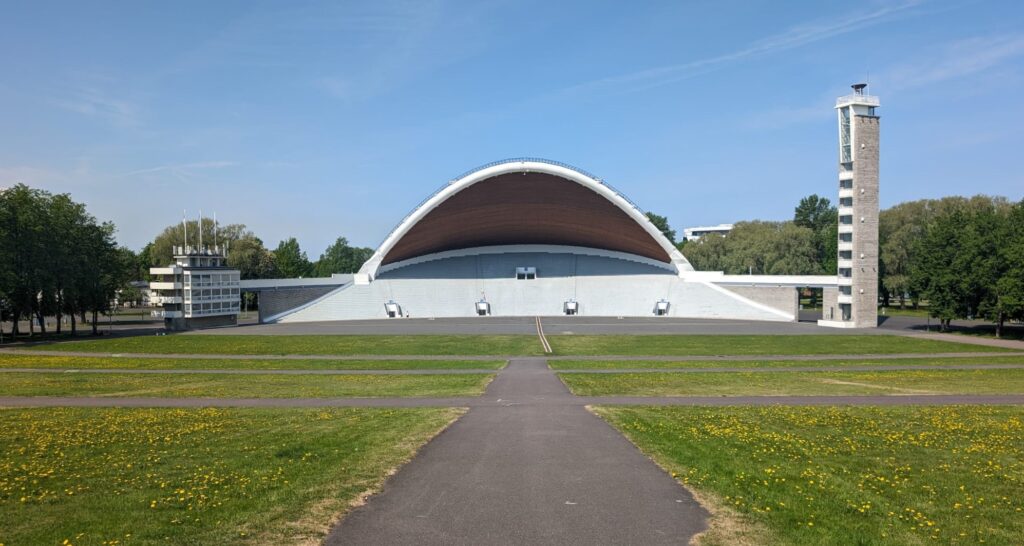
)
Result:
{"points": [[846, 237], [845, 201], [845, 148]]}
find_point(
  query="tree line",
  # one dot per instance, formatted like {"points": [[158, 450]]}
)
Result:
{"points": [[963, 256], [805, 245], [56, 259], [247, 252]]}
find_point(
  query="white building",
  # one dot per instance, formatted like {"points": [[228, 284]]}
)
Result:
{"points": [[695, 233], [199, 290]]}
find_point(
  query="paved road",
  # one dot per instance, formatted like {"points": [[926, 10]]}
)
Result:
{"points": [[524, 473], [527, 326], [210, 356], [673, 358], [450, 371], [486, 401]]}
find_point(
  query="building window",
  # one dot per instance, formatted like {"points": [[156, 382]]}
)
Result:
{"points": [[846, 184], [846, 290], [845, 151], [845, 272], [846, 237], [526, 273], [846, 220], [845, 254], [845, 201]]}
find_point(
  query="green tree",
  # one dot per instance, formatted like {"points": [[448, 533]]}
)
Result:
{"points": [[161, 250], [661, 222], [105, 271], [56, 258], [252, 259], [814, 213], [291, 260], [818, 215], [958, 262], [902, 227], [1009, 300], [766, 248], [23, 212], [341, 258]]}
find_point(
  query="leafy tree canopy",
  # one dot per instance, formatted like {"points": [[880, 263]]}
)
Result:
{"points": [[341, 258], [661, 222], [291, 260]]}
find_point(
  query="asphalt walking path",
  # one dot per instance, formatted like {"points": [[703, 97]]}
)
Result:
{"points": [[670, 358], [486, 401], [527, 470], [477, 371]]}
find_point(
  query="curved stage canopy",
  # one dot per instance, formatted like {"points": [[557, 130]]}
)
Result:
{"points": [[525, 201]]}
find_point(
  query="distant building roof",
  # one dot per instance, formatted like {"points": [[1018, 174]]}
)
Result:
{"points": [[699, 231]]}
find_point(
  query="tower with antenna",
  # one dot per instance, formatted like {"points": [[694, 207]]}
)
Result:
{"points": [[198, 290], [854, 302]]}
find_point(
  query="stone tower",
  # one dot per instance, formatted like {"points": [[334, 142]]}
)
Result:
{"points": [[854, 304]]}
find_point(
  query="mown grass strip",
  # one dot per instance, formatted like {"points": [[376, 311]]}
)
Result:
{"points": [[1007, 381], [109, 362], [195, 476], [865, 475], [308, 345], [754, 345], [691, 364], [242, 386]]}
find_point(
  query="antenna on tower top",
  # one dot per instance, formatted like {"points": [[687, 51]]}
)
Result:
{"points": [[184, 225], [200, 230]]}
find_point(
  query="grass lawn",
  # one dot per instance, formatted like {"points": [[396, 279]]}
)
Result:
{"points": [[683, 364], [905, 312], [241, 386], [752, 345], [865, 475], [195, 476], [110, 362], [308, 345], [796, 383]]}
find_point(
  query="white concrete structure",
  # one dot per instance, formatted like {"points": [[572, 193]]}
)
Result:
{"points": [[528, 237], [197, 291], [695, 233]]}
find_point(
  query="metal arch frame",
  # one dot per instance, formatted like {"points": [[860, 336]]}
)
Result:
{"points": [[373, 265]]}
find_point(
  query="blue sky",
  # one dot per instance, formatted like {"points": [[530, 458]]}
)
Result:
{"points": [[317, 120]]}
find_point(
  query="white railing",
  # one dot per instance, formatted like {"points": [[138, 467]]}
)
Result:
{"points": [[224, 297], [213, 284], [159, 300], [208, 312], [854, 98]]}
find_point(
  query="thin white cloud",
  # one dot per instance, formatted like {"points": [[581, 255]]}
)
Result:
{"points": [[957, 60], [793, 37], [91, 101], [183, 170]]}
